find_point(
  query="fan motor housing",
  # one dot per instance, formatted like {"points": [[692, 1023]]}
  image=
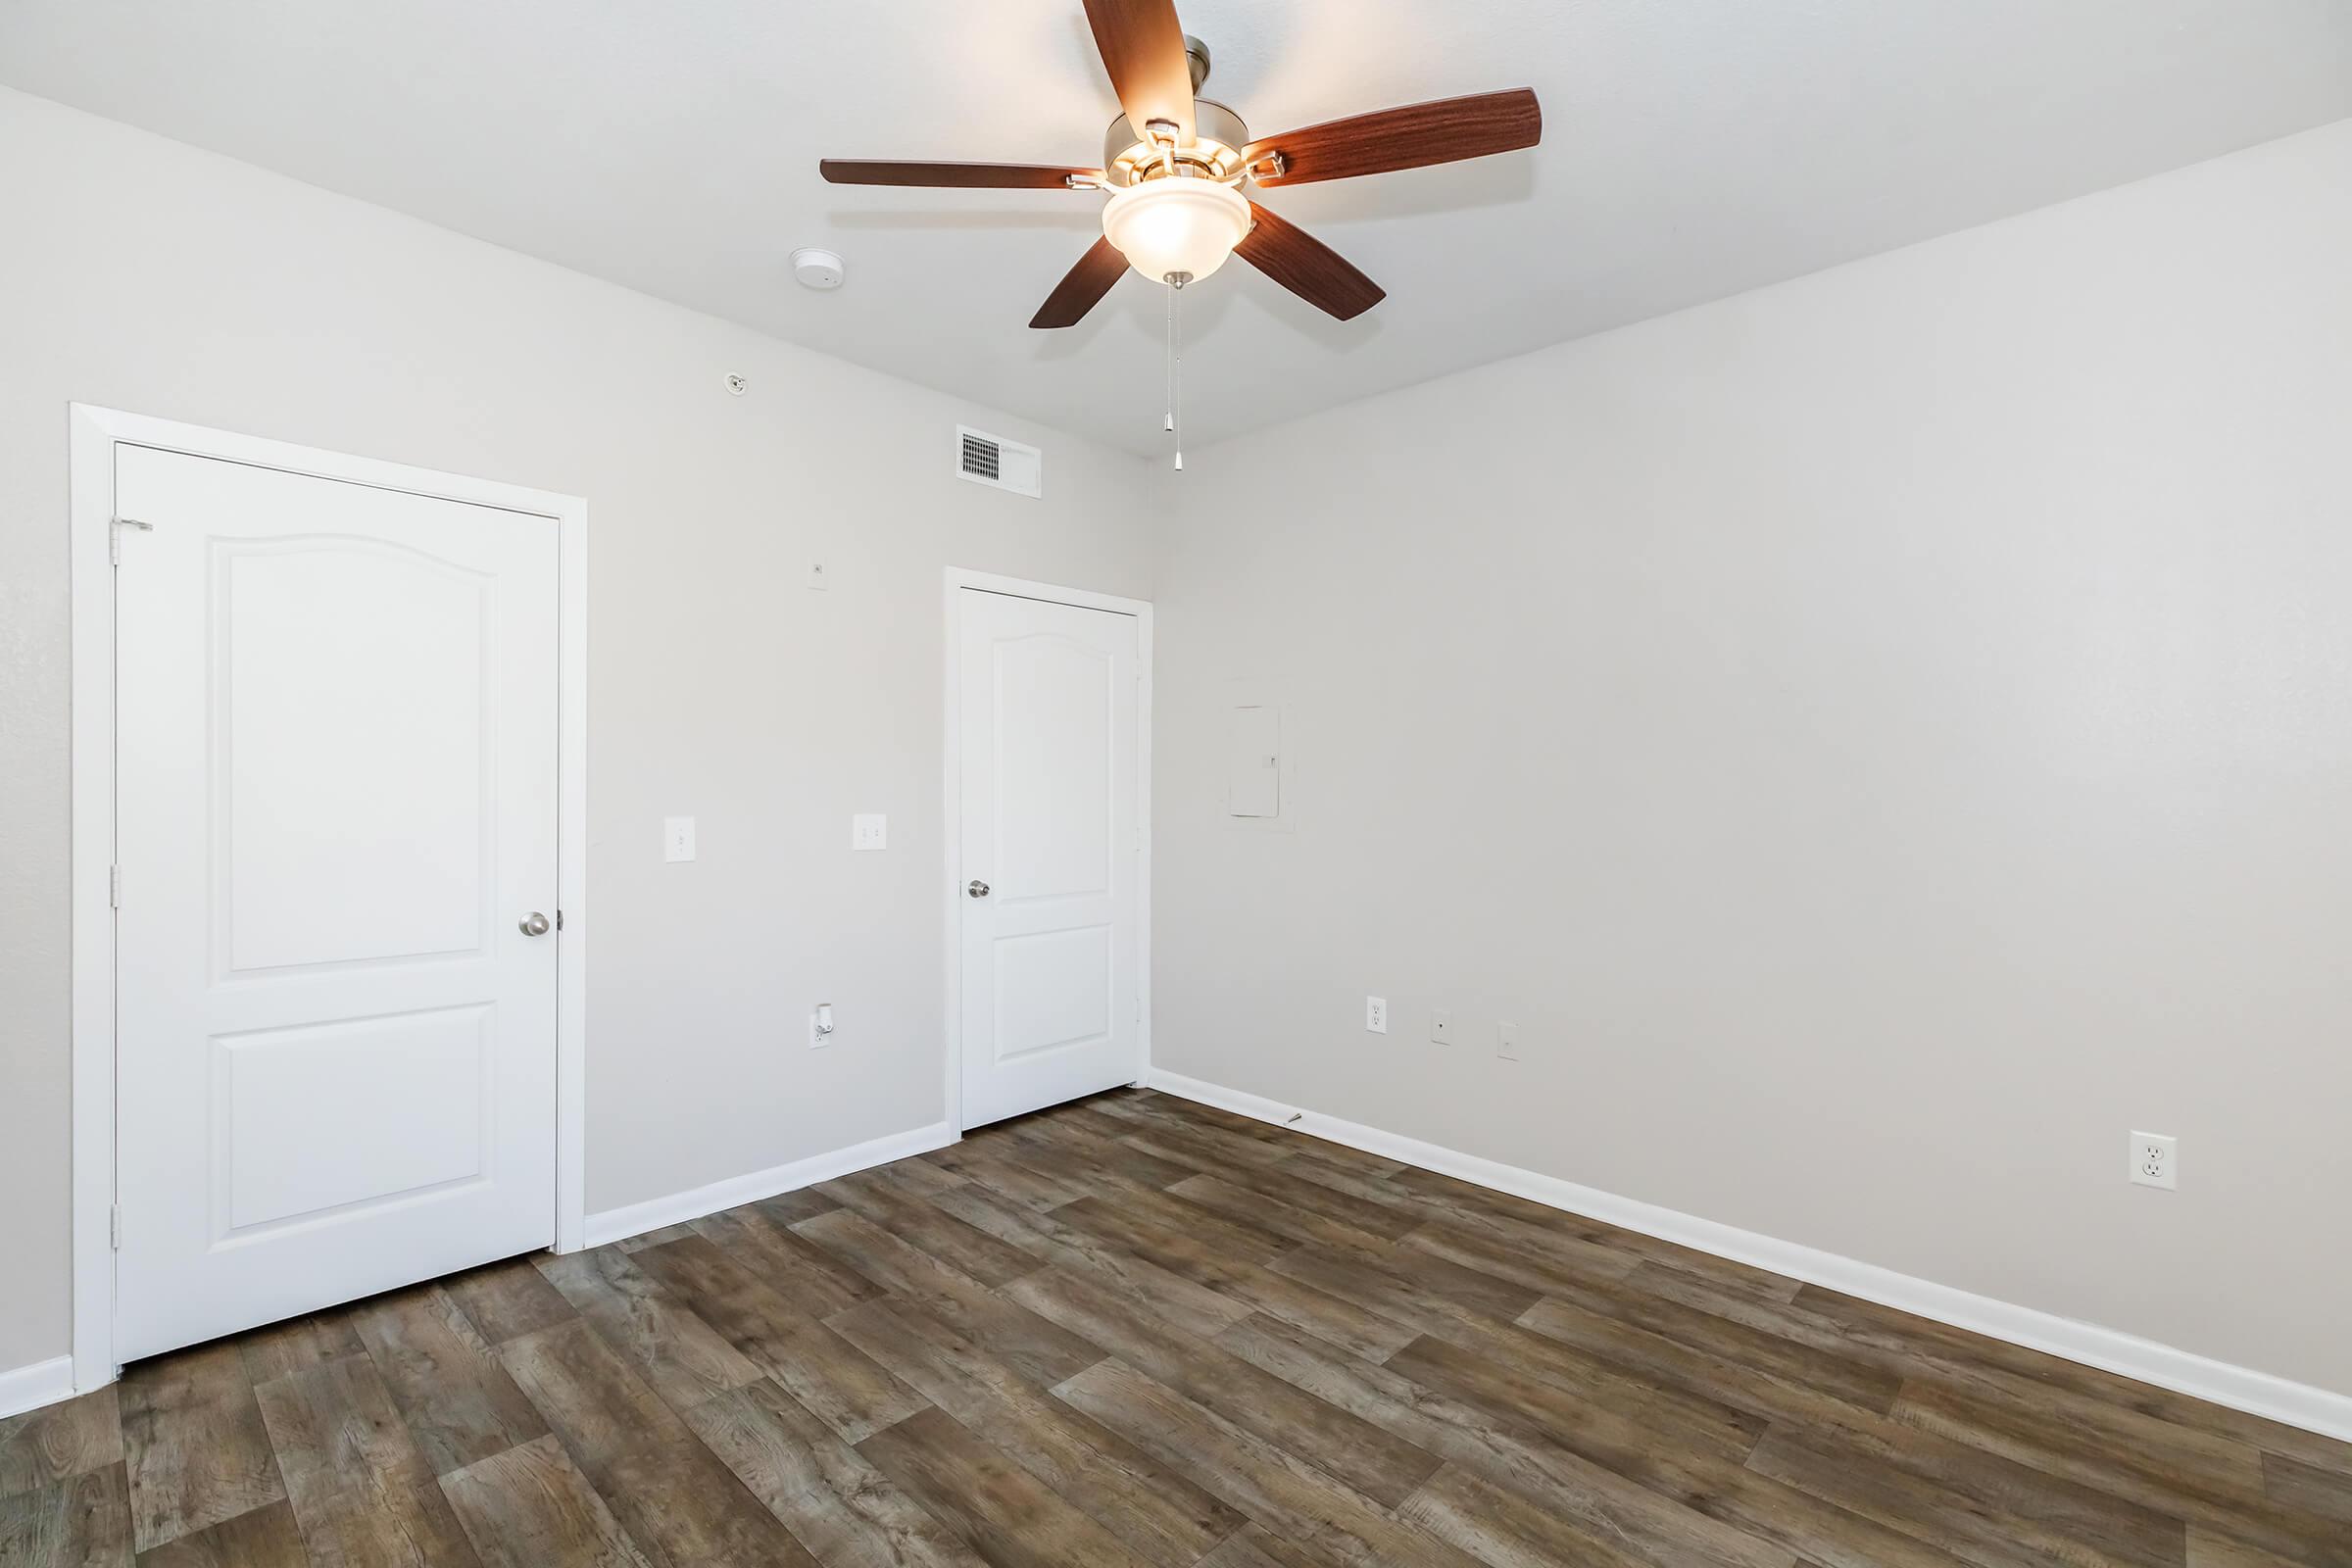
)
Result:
{"points": [[1129, 158]]}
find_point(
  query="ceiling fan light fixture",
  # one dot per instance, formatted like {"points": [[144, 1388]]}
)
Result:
{"points": [[1177, 164], [1164, 227]]}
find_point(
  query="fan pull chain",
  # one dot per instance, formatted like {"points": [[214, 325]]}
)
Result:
{"points": [[1176, 283], [1167, 366]]}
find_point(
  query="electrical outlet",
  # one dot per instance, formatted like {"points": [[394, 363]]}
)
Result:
{"points": [[1376, 1014], [1441, 1025], [1506, 1041], [2156, 1160], [677, 837], [815, 577]]}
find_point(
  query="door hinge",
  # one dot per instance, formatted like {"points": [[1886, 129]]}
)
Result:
{"points": [[114, 887], [114, 536], [114, 1226]]}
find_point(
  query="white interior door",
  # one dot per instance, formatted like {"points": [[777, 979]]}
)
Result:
{"points": [[335, 1066], [1051, 837]]}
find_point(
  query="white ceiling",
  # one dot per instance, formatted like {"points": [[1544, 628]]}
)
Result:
{"points": [[1693, 148]]}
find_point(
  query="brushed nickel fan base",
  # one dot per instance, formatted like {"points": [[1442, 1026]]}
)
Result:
{"points": [[1214, 152]]}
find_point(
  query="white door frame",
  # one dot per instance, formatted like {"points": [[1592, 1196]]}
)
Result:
{"points": [[957, 580], [94, 433]]}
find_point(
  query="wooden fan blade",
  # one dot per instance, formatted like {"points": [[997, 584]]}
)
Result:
{"points": [[1442, 132], [1307, 267], [1142, 48], [963, 177], [1084, 286]]}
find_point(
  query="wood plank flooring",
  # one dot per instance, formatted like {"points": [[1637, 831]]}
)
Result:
{"points": [[1136, 1333]]}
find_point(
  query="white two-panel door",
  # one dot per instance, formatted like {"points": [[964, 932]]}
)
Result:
{"points": [[1050, 839], [336, 766]]}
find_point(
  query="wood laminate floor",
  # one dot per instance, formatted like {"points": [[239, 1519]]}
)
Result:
{"points": [[1135, 1333]]}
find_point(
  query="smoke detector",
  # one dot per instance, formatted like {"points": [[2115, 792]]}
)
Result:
{"points": [[817, 269]]}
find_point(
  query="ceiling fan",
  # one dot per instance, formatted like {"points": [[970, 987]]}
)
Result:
{"points": [[1175, 166]]}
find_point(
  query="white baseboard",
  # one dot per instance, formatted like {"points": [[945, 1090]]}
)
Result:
{"points": [[2297, 1404], [28, 1388], [635, 1219]]}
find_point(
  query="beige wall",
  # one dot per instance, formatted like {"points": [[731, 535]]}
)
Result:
{"points": [[1884, 738], [141, 275]]}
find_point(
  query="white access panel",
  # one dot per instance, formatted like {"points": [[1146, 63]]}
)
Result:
{"points": [[1254, 762]]}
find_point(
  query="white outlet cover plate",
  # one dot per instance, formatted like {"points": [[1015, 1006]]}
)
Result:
{"points": [[1506, 1040], [677, 837], [1441, 1025], [2156, 1160], [1376, 1014], [870, 830], [816, 577]]}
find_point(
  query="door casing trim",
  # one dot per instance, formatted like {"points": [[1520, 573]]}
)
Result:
{"points": [[93, 433], [952, 828]]}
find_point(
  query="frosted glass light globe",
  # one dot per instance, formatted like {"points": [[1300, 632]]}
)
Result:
{"points": [[1176, 225]]}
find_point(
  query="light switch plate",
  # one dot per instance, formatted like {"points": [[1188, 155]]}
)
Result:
{"points": [[1506, 1040], [677, 837], [1441, 1025], [870, 830]]}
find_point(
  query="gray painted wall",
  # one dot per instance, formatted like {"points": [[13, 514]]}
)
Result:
{"points": [[1884, 738], [142, 274]]}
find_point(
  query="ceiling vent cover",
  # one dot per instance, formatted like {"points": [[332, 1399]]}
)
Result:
{"points": [[996, 463]]}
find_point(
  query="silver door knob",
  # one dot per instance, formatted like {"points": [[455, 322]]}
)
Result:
{"points": [[978, 889], [533, 924]]}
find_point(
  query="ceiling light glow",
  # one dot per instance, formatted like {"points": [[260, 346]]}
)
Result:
{"points": [[1166, 226]]}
